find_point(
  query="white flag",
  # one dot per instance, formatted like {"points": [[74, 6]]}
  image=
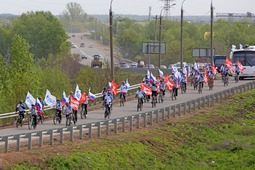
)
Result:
{"points": [[77, 94], [49, 99], [127, 84], [233, 47], [195, 66], [241, 46], [30, 100]]}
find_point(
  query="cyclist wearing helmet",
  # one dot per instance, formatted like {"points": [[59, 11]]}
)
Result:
{"points": [[21, 109], [123, 90]]}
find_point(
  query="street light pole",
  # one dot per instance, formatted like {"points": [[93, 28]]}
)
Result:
{"points": [[211, 35], [182, 34], [111, 43], [160, 30]]}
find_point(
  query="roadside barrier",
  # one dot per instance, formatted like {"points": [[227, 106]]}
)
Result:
{"points": [[121, 124]]}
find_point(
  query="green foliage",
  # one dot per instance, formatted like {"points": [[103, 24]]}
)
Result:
{"points": [[43, 32], [221, 139]]}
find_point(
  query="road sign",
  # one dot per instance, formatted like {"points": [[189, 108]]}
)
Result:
{"points": [[153, 48]]}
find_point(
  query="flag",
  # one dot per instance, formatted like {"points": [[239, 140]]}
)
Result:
{"points": [[74, 102], [205, 76], [64, 99], [30, 100], [161, 73], [114, 88], [240, 66], [233, 48], [228, 62], [38, 107], [174, 69], [148, 73], [152, 78], [214, 70], [91, 96], [195, 66], [50, 100], [77, 93], [169, 83], [83, 97], [186, 73], [127, 84], [241, 46], [147, 90]]}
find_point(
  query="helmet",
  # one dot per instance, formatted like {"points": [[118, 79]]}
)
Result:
{"points": [[139, 88]]}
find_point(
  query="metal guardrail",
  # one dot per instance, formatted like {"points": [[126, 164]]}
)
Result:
{"points": [[11, 116], [122, 123]]}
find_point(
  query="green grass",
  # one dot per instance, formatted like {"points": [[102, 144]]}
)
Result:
{"points": [[223, 138]]}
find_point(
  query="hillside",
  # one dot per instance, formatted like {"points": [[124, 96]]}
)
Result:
{"points": [[219, 137]]}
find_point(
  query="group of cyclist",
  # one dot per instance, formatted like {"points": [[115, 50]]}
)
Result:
{"points": [[226, 72]]}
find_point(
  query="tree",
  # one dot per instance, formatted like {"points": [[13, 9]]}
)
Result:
{"points": [[43, 32], [73, 17]]}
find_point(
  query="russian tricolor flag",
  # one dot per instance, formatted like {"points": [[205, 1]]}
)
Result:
{"points": [[152, 78], [38, 106], [64, 99], [161, 73], [91, 96]]}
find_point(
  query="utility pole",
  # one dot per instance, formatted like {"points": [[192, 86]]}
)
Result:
{"points": [[182, 34], [111, 43], [211, 37]]}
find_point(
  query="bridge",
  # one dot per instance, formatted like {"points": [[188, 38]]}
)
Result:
{"points": [[122, 117]]}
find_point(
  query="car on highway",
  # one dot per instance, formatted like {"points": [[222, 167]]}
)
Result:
{"points": [[82, 45], [91, 46], [73, 46], [133, 65], [163, 67], [151, 66], [123, 64]]}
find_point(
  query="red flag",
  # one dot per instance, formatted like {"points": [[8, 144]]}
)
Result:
{"points": [[74, 102], [147, 90], [214, 71], [83, 97], [228, 62], [169, 83], [240, 66], [206, 76], [114, 88]]}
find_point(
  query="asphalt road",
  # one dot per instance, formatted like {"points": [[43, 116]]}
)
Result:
{"points": [[128, 109]]}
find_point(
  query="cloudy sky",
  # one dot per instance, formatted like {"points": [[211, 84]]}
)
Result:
{"points": [[137, 7]]}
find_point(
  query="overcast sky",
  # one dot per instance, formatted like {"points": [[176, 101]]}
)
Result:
{"points": [[137, 7]]}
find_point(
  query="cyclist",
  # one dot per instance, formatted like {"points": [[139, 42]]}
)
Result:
{"points": [[85, 105], [108, 100], [237, 71], [68, 111], [154, 89], [34, 114], [140, 94], [21, 109], [123, 90], [184, 81], [162, 86], [145, 78], [59, 109], [226, 71], [201, 80], [175, 81]]}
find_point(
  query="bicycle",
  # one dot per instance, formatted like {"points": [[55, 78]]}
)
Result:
{"points": [[56, 118], [210, 84], [237, 77], [146, 99], [200, 87], [19, 121], [226, 80], [154, 100], [107, 112], [183, 90], [68, 120], [83, 112], [140, 104], [122, 100], [31, 122], [40, 118], [195, 84], [160, 97], [173, 93]]}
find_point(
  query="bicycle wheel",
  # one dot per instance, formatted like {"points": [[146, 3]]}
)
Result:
{"points": [[82, 113], [55, 119], [29, 123], [67, 121], [17, 122]]}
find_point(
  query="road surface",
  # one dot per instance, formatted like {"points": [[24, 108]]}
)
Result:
{"points": [[128, 109]]}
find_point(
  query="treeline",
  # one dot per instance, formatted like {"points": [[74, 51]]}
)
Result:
{"points": [[35, 56]]}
